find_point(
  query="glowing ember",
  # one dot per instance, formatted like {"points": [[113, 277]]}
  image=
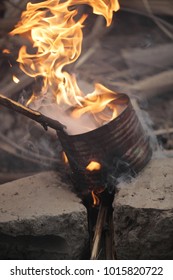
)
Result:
{"points": [[93, 165], [56, 37], [15, 79], [6, 51]]}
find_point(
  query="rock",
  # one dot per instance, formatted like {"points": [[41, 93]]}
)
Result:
{"points": [[143, 214], [41, 218]]}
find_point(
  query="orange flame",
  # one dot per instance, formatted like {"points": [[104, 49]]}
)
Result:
{"points": [[57, 39], [65, 159], [6, 51], [93, 165], [96, 200]]}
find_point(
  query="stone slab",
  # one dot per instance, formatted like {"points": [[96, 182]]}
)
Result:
{"points": [[40, 217], [143, 215]]}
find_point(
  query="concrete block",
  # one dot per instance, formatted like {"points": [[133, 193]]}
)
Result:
{"points": [[41, 218], [143, 215]]}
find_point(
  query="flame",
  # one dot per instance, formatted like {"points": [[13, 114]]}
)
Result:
{"points": [[93, 165], [31, 99], [15, 79], [56, 37], [99, 103], [6, 51], [95, 198], [64, 156]]}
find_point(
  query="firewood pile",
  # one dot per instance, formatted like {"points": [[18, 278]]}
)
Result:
{"points": [[133, 56]]}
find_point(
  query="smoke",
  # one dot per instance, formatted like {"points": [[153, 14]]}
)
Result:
{"points": [[74, 125]]}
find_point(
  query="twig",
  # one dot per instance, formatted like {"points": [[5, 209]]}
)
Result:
{"points": [[154, 57], [14, 149], [98, 231], [159, 7], [163, 131], [142, 13], [154, 85], [166, 31], [109, 244], [32, 114]]}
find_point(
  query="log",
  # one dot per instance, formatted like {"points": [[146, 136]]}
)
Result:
{"points": [[148, 87], [154, 85], [150, 59]]}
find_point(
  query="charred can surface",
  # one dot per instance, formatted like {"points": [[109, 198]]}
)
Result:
{"points": [[120, 144]]}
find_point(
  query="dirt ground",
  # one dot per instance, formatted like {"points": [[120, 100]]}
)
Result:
{"points": [[108, 59]]}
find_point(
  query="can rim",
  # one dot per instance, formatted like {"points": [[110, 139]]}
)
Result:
{"points": [[89, 133]]}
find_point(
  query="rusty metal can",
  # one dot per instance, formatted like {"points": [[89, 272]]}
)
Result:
{"points": [[121, 145]]}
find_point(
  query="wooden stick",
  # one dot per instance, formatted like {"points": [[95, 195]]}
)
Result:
{"points": [[158, 6], [109, 240], [32, 114], [154, 57], [154, 85], [98, 231], [162, 27], [163, 131], [11, 147]]}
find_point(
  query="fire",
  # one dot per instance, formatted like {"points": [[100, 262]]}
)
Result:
{"points": [[93, 165], [65, 159], [56, 37], [95, 198], [6, 51], [15, 79]]}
